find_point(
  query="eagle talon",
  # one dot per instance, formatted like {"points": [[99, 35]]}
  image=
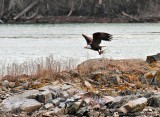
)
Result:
{"points": [[100, 52]]}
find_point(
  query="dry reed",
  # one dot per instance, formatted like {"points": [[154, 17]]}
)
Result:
{"points": [[42, 67]]}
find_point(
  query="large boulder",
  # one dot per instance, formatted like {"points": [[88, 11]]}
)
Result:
{"points": [[157, 77], [17, 103], [45, 96], [134, 105], [153, 58], [25, 101], [154, 100], [153, 77]]}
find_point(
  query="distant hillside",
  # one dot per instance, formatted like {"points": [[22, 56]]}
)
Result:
{"points": [[133, 10]]}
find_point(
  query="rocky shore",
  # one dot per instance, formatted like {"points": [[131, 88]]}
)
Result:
{"points": [[97, 88]]}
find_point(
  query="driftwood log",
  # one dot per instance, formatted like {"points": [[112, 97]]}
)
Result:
{"points": [[28, 8]]}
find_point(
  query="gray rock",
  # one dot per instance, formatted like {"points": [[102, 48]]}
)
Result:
{"points": [[19, 103], [90, 113], [82, 111], [154, 101], [48, 105], [134, 105], [150, 77], [12, 84], [57, 101], [66, 86], [116, 102], [45, 96], [124, 99], [55, 93], [26, 85], [75, 107], [108, 99], [2, 97], [64, 94], [58, 111], [31, 94], [153, 58], [5, 84], [149, 109], [96, 114], [148, 95], [117, 79], [54, 90], [72, 91], [14, 115], [157, 78], [50, 87], [62, 105], [48, 114], [30, 105], [36, 83], [77, 97], [69, 102]]}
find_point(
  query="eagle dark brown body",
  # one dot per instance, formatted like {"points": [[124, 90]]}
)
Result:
{"points": [[94, 43]]}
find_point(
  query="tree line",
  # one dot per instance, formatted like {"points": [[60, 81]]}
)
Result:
{"points": [[16, 9]]}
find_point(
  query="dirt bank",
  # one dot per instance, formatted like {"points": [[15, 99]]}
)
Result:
{"points": [[80, 19]]}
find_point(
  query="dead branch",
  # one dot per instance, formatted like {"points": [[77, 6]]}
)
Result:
{"points": [[131, 17], [1, 22], [2, 8], [72, 8], [80, 4], [34, 15], [28, 8], [100, 2]]}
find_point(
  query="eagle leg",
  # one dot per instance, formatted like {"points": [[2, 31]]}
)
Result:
{"points": [[100, 51]]}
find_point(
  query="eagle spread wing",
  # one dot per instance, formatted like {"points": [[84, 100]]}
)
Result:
{"points": [[88, 39], [98, 36]]}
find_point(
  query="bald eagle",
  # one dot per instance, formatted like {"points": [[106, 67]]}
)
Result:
{"points": [[94, 43]]}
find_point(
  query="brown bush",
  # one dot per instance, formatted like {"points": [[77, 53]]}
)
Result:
{"points": [[40, 68]]}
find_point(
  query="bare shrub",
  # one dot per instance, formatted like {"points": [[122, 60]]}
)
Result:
{"points": [[43, 67], [109, 8]]}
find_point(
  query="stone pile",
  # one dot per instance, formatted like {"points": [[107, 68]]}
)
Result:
{"points": [[106, 88], [67, 99]]}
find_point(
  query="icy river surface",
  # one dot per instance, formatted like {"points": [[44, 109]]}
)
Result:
{"points": [[19, 42]]}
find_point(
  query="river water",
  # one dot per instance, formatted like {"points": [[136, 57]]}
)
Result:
{"points": [[19, 42]]}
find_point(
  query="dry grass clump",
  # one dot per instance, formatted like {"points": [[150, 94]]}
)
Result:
{"points": [[47, 67]]}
